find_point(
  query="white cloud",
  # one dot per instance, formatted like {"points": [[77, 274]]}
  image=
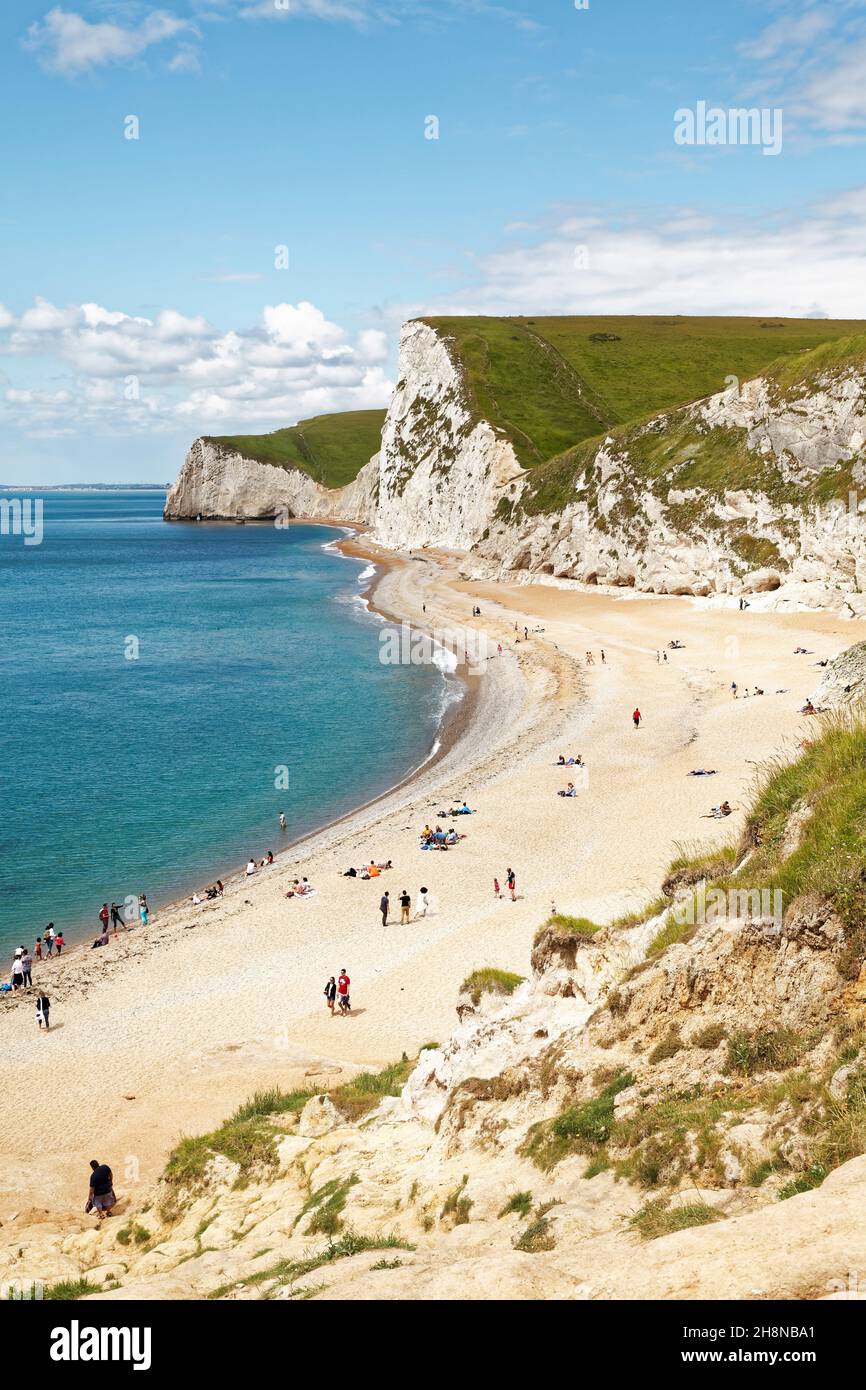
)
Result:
{"points": [[122, 372], [672, 262], [185, 60], [812, 62], [792, 32], [67, 43]]}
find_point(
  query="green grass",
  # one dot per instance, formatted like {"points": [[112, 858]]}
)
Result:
{"points": [[133, 1232], [327, 1204], [658, 1218], [519, 1204], [804, 1182], [249, 1140], [289, 1271], [569, 926], [364, 1092], [69, 1289], [272, 1102], [457, 1205], [581, 1129], [764, 1050], [332, 449], [490, 981], [538, 1235], [830, 780], [547, 384]]}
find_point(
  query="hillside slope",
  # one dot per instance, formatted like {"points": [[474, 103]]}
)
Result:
{"points": [[548, 383], [332, 449], [671, 1107]]}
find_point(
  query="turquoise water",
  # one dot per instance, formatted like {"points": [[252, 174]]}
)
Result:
{"points": [[122, 773]]}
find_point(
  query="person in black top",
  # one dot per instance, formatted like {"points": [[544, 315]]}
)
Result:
{"points": [[101, 1196]]}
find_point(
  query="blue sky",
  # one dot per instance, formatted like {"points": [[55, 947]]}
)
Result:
{"points": [[141, 300]]}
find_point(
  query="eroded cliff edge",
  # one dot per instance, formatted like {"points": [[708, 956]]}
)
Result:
{"points": [[756, 489]]}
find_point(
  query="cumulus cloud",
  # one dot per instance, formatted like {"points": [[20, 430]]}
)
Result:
{"points": [[67, 43], [123, 372], [674, 262]]}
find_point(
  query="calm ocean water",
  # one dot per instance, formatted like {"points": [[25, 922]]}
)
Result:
{"points": [[157, 773]]}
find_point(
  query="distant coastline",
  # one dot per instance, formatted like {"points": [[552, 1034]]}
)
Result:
{"points": [[84, 487]]}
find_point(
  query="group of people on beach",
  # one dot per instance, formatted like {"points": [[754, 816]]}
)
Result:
{"points": [[438, 838], [215, 890], [405, 899], [114, 917], [337, 992], [368, 871], [510, 884], [21, 978], [51, 943]]}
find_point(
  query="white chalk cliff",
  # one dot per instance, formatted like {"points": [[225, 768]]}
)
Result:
{"points": [[446, 478]]}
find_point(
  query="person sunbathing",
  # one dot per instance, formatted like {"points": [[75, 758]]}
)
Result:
{"points": [[570, 790], [808, 708], [703, 772], [373, 871]]}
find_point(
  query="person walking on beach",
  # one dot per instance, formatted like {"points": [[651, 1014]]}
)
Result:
{"points": [[602, 656], [116, 919], [497, 891], [422, 903], [343, 991], [37, 949], [331, 994], [100, 1196], [512, 885], [405, 906], [27, 969], [104, 916], [59, 943], [143, 910], [43, 1009], [17, 972], [636, 718], [49, 939], [384, 906]]}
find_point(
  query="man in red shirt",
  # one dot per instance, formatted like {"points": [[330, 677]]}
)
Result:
{"points": [[103, 916], [343, 991]]}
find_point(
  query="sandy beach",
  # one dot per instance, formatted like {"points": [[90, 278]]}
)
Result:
{"points": [[169, 1028]]}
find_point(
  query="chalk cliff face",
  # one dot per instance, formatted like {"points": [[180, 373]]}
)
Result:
{"points": [[218, 482], [646, 508], [440, 472]]}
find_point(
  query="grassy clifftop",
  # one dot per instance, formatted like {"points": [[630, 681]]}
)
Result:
{"points": [[549, 383], [332, 449]]}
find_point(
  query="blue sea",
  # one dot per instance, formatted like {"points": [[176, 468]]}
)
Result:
{"points": [[160, 683]]}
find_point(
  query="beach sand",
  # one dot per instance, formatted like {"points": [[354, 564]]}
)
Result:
{"points": [[168, 1029]]}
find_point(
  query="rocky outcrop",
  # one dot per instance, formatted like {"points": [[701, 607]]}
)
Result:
{"points": [[844, 680], [718, 499], [218, 483]]}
